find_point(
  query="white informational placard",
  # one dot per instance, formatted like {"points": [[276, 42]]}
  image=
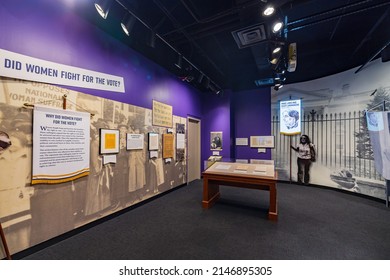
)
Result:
{"points": [[61, 145], [135, 141], [180, 141], [290, 117], [215, 153], [153, 154], [14, 65], [241, 141], [109, 159]]}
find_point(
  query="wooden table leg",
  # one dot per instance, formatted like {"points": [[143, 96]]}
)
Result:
{"points": [[273, 207], [210, 194]]}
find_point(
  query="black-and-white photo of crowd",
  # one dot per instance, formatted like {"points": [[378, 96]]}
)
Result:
{"points": [[31, 214]]}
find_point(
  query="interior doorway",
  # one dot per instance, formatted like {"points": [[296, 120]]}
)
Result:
{"points": [[193, 148]]}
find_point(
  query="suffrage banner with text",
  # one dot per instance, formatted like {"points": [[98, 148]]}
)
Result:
{"points": [[14, 65], [61, 145], [290, 117], [378, 124], [162, 114]]}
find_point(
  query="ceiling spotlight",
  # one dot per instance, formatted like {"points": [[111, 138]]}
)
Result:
{"points": [[179, 61], [269, 10], [278, 86], [277, 26], [274, 60], [127, 24], [276, 50], [102, 7], [215, 89]]}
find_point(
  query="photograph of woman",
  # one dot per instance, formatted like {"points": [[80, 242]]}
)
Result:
{"points": [[306, 155]]}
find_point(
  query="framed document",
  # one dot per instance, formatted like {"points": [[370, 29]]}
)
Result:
{"points": [[153, 141], [168, 145], [162, 114], [109, 141], [241, 141], [216, 140], [135, 141], [262, 142]]}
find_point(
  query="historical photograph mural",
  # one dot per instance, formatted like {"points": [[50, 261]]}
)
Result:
{"points": [[31, 214], [333, 116]]}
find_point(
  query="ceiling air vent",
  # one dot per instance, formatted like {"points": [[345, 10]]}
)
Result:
{"points": [[250, 36]]}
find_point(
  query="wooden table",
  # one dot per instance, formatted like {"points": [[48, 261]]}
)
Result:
{"points": [[212, 180]]}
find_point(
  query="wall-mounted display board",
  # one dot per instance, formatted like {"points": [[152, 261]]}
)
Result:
{"points": [[109, 141], [32, 214], [56, 73], [241, 141], [135, 141], [180, 141], [262, 142], [162, 114], [216, 140], [168, 150], [61, 145], [290, 117], [153, 141]]}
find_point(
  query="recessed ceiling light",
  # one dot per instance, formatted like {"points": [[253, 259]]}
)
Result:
{"points": [[276, 50], [269, 10], [277, 26]]}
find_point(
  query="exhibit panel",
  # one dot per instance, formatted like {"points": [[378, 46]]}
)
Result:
{"points": [[333, 115], [118, 177]]}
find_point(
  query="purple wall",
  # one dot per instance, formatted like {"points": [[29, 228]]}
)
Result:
{"points": [[237, 115], [216, 117], [251, 117], [51, 31]]}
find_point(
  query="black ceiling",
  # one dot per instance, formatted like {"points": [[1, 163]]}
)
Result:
{"points": [[330, 35]]}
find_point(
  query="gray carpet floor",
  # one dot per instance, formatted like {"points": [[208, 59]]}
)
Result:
{"points": [[314, 223]]}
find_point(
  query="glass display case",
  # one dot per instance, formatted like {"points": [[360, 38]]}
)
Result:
{"points": [[256, 167], [227, 172]]}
